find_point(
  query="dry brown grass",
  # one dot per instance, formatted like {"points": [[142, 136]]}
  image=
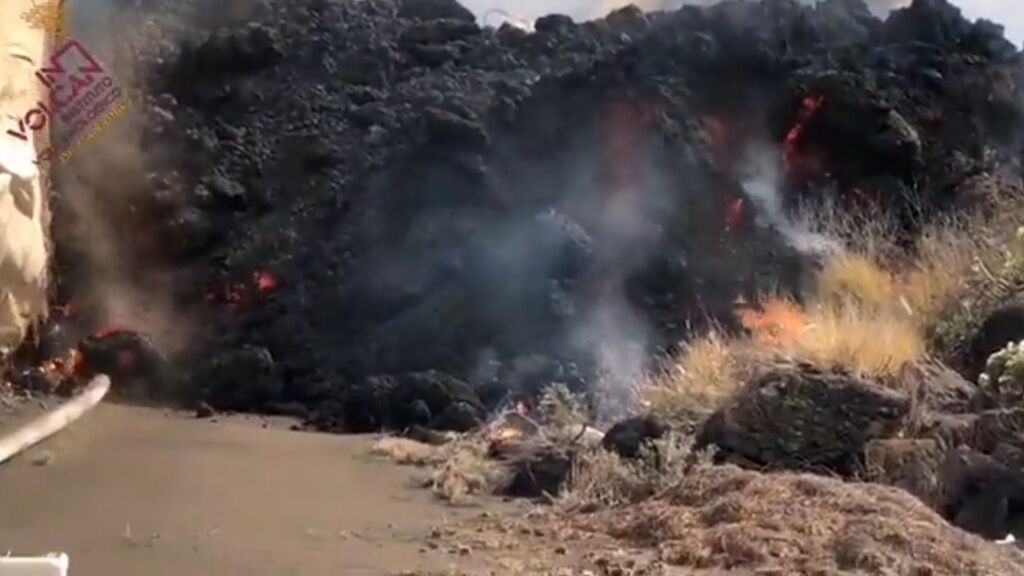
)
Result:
{"points": [[725, 517], [406, 452], [706, 371], [465, 471], [865, 341], [854, 278], [601, 478], [459, 470]]}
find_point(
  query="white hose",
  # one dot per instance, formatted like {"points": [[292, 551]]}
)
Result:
{"points": [[52, 422]]}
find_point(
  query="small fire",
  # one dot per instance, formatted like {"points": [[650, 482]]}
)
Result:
{"points": [[67, 366], [808, 108], [778, 322]]}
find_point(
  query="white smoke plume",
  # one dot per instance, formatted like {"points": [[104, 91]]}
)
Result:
{"points": [[763, 183]]}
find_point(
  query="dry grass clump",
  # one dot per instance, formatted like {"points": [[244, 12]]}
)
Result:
{"points": [[465, 471], [850, 278], [862, 340], [706, 371], [405, 451], [459, 470], [727, 518], [602, 479]]}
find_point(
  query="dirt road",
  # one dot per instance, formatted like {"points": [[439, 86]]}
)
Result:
{"points": [[130, 491]]}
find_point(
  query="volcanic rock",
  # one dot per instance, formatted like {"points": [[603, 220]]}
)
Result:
{"points": [[136, 367], [911, 464], [434, 10], [628, 437], [983, 496], [996, 429], [939, 388], [540, 472], [459, 416], [242, 379], [400, 165], [418, 413], [204, 410], [800, 419]]}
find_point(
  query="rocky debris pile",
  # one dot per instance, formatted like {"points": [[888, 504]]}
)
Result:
{"points": [[804, 419], [957, 446], [381, 214]]}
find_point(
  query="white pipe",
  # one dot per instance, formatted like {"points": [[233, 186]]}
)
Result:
{"points": [[51, 565], [54, 421]]}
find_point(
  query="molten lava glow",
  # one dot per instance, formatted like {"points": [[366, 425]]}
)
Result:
{"points": [[733, 214], [109, 331], [808, 108], [241, 296], [265, 281], [67, 366], [778, 322]]}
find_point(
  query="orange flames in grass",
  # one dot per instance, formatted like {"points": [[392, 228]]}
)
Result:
{"points": [[777, 321]]}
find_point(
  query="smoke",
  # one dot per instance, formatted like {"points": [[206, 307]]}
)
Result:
{"points": [[98, 238], [762, 182]]}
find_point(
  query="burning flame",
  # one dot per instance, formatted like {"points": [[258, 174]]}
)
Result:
{"points": [[808, 108], [778, 322], [68, 366]]}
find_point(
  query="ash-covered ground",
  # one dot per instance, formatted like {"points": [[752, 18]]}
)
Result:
{"points": [[379, 213]]}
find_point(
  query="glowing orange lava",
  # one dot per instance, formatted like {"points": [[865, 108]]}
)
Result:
{"points": [[242, 296], [808, 108], [265, 281], [109, 331]]}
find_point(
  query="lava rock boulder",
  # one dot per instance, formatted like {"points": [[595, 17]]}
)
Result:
{"points": [[799, 418], [242, 379], [628, 437]]}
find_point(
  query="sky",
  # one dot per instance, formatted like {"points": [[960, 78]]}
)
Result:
{"points": [[1009, 13]]}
